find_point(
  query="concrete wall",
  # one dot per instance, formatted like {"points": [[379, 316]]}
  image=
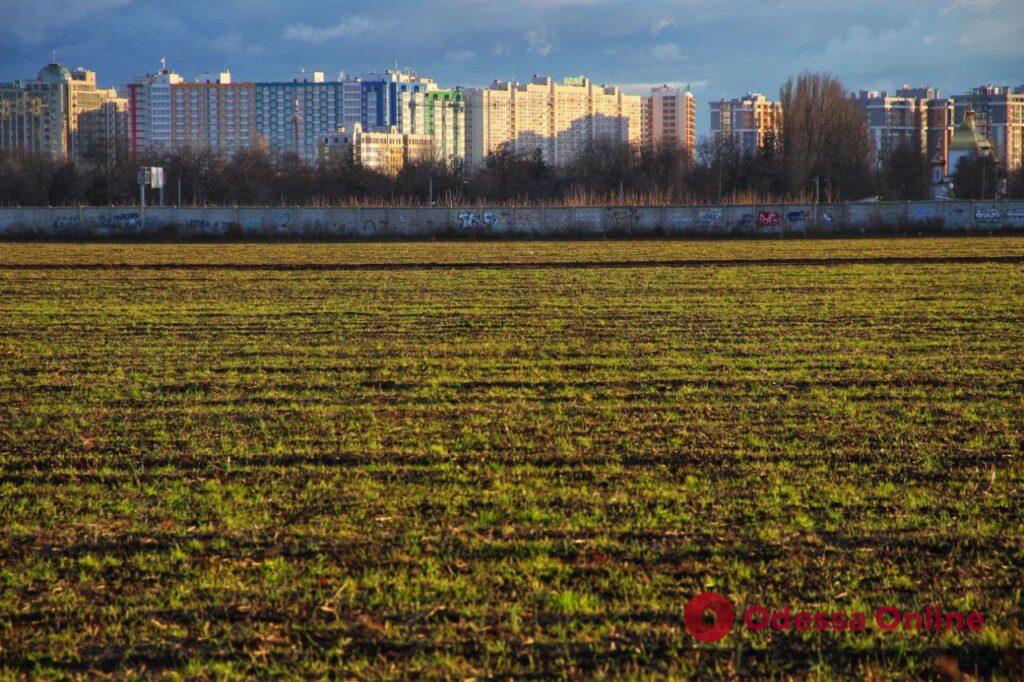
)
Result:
{"points": [[424, 223]]}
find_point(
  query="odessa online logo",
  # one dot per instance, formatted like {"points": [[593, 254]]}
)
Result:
{"points": [[710, 616]]}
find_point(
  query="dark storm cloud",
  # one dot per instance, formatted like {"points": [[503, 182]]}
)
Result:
{"points": [[723, 47]]}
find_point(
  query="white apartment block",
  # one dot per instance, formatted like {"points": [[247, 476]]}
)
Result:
{"points": [[557, 119], [149, 110]]}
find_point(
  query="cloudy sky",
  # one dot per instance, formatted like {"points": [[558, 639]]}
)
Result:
{"points": [[721, 47]]}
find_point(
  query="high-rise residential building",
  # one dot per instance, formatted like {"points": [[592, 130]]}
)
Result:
{"points": [[61, 113], [213, 114], [353, 103], [556, 119], [748, 122], [97, 117], [395, 98], [292, 116], [149, 107], [444, 120], [939, 133], [385, 152], [669, 118], [416, 105], [33, 115], [104, 134], [999, 116], [286, 117], [915, 116]]}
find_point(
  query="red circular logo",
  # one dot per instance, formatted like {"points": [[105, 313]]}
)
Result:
{"points": [[693, 616]]}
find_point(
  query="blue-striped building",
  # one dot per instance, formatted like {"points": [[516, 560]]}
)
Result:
{"points": [[291, 116]]}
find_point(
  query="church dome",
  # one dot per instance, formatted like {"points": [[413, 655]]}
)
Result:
{"points": [[968, 140]]}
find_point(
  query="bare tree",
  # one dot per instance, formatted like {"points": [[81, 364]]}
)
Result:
{"points": [[905, 174], [1015, 184], [976, 177], [824, 136]]}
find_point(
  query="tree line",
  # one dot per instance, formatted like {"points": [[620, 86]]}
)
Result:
{"points": [[824, 150]]}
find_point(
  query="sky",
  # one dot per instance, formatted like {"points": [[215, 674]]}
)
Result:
{"points": [[722, 48]]}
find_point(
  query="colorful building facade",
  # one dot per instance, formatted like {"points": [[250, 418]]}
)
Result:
{"points": [[213, 114]]}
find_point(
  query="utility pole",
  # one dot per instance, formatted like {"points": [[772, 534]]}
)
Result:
{"points": [[817, 198], [430, 192], [142, 205]]}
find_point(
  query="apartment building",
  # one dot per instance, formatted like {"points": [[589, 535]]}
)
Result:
{"points": [[213, 114], [748, 122], [97, 117], [56, 114], [292, 116], [915, 116], [417, 106], [444, 120], [385, 152], [670, 118], [556, 119], [998, 116], [103, 134], [149, 106]]}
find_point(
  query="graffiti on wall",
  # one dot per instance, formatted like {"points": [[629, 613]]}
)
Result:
{"points": [[372, 227], [709, 217], [679, 218], [623, 218], [469, 220], [768, 218], [704, 220], [526, 219], [126, 219], [922, 214], [200, 224], [413, 223], [987, 214]]}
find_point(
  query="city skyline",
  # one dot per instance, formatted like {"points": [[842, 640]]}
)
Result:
{"points": [[722, 49]]}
